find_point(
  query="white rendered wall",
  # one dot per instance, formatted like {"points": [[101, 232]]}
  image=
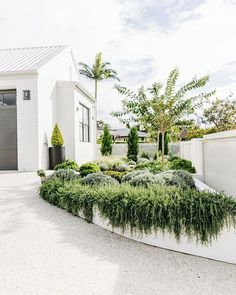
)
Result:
{"points": [[60, 68], [214, 157], [27, 119]]}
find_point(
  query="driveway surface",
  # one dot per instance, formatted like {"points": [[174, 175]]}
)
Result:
{"points": [[45, 250]]}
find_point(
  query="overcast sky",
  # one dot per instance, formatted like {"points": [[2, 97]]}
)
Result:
{"points": [[143, 39]]}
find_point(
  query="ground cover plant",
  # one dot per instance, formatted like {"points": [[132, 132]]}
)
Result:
{"points": [[68, 164], [169, 209]]}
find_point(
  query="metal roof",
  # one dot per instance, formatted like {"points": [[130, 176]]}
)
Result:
{"points": [[27, 59], [125, 132]]}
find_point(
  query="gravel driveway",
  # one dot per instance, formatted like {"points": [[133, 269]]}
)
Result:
{"points": [[45, 250]]}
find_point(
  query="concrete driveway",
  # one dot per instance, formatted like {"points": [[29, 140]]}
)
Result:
{"points": [[45, 250]]}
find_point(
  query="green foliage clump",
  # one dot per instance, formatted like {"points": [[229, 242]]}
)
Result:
{"points": [[179, 163], [68, 164], [200, 215], [103, 166], [131, 163], [122, 168], [129, 176], [106, 146], [152, 166], [88, 168], [133, 145], [41, 173], [178, 178], [145, 155], [65, 174], [145, 180], [118, 175], [143, 161], [57, 139], [98, 178]]}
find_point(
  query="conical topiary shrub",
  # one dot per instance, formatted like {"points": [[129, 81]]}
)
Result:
{"points": [[57, 139], [106, 146]]}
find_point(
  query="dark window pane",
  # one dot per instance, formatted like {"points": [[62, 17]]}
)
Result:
{"points": [[9, 99], [1, 99], [84, 123]]}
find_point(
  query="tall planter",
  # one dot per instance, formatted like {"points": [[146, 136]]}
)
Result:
{"points": [[57, 155]]}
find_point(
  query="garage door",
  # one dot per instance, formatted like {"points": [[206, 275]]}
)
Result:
{"points": [[8, 130]]}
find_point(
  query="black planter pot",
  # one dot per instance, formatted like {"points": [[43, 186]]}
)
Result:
{"points": [[57, 155]]}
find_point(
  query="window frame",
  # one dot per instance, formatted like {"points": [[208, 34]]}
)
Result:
{"points": [[84, 127], [3, 92]]}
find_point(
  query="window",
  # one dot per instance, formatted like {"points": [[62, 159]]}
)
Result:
{"points": [[7, 98], [84, 123]]}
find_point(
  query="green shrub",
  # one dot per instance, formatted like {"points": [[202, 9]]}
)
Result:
{"points": [[129, 176], [88, 168], [103, 166], [106, 146], [152, 166], [145, 155], [133, 145], [116, 174], [122, 168], [145, 180], [68, 164], [178, 178], [131, 163], [182, 164], [201, 215], [41, 173], [57, 139], [143, 161], [98, 178], [65, 174]]}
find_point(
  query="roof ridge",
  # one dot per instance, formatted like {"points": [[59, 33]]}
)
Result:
{"points": [[33, 47]]}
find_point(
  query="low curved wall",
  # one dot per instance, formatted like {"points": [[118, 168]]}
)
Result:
{"points": [[222, 249]]}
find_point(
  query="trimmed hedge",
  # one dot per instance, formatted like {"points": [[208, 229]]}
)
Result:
{"points": [[201, 215], [88, 168]]}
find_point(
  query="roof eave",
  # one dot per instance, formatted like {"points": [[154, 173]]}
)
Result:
{"points": [[20, 73]]}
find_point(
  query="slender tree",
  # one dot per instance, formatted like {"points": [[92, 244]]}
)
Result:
{"points": [[106, 146], [157, 111], [99, 71], [133, 145]]}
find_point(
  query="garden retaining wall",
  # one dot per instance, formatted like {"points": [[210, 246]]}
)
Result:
{"points": [[222, 249]]}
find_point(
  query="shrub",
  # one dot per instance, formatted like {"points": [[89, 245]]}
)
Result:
{"points": [[129, 176], [178, 178], [65, 174], [122, 167], [143, 161], [57, 139], [98, 178], [41, 173], [131, 163], [106, 146], [201, 215], [88, 168], [145, 179], [133, 145], [116, 174], [103, 166], [145, 155], [152, 166], [182, 164], [186, 177], [68, 164]]}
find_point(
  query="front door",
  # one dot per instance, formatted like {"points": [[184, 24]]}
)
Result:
{"points": [[8, 130]]}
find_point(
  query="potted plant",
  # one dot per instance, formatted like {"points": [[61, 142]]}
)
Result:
{"points": [[57, 153]]}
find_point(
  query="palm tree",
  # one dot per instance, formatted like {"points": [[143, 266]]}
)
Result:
{"points": [[98, 72]]}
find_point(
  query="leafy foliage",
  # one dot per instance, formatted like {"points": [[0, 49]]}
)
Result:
{"points": [[57, 139], [133, 145], [200, 215], [88, 168], [122, 167], [221, 113], [68, 164], [160, 112], [179, 163], [99, 71], [65, 174], [118, 175], [98, 178], [106, 146], [131, 175], [41, 173]]}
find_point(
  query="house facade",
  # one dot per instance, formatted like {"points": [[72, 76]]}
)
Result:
{"points": [[39, 87]]}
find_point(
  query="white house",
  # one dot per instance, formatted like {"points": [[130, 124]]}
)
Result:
{"points": [[39, 86]]}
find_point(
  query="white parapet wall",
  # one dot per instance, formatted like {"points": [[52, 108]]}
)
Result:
{"points": [[222, 249], [214, 157]]}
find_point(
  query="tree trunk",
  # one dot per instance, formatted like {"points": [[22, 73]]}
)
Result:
{"points": [[158, 135], [163, 147], [96, 89]]}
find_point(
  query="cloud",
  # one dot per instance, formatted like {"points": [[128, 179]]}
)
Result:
{"points": [[143, 39]]}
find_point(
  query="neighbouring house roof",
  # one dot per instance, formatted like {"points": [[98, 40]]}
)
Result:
{"points": [[28, 58], [125, 131]]}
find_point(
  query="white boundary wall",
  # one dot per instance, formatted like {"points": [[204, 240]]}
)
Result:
{"points": [[222, 249], [214, 157]]}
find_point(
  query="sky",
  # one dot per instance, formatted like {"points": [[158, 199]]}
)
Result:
{"points": [[142, 39]]}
